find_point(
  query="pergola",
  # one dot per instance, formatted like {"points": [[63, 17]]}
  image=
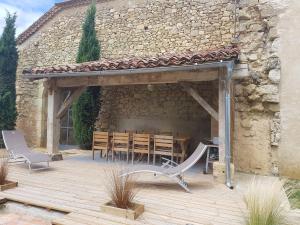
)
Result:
{"points": [[182, 69]]}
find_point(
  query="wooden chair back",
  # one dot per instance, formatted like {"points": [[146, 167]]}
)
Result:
{"points": [[141, 144], [163, 145], [120, 143], [100, 142]]}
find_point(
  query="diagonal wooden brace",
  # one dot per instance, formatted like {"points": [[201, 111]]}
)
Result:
{"points": [[200, 100], [71, 97]]}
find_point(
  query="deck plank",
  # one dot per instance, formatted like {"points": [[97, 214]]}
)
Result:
{"points": [[77, 186]]}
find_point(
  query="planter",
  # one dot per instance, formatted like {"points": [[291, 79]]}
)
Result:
{"points": [[8, 185], [134, 212]]}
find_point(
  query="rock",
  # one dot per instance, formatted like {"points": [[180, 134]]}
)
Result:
{"points": [[253, 97], [252, 57], [272, 63], [250, 88], [194, 33], [238, 90], [275, 45], [266, 10], [243, 15], [269, 89], [271, 98], [273, 34], [275, 130], [273, 107], [246, 123], [258, 107], [274, 76]]}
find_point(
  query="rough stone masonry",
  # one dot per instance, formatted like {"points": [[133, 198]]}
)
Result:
{"points": [[149, 28]]}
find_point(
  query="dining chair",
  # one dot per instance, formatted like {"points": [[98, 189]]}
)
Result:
{"points": [[120, 143], [141, 145], [100, 142], [163, 146]]}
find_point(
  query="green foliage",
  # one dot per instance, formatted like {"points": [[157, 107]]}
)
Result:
{"points": [[293, 190], [85, 110], [8, 67], [89, 47]]}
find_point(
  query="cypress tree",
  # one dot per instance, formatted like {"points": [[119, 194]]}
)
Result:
{"points": [[8, 67], [85, 110]]}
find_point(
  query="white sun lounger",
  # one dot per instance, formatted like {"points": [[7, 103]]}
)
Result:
{"points": [[169, 168], [18, 150]]}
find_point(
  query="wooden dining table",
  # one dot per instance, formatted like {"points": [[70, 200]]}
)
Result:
{"points": [[182, 141]]}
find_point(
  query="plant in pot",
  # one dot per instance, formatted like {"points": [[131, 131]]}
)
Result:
{"points": [[4, 183], [122, 191]]}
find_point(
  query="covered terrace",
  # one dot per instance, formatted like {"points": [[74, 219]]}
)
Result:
{"points": [[183, 70]]}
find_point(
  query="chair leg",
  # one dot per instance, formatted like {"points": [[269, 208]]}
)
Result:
{"points": [[182, 183], [107, 155], [93, 153], [148, 158], [112, 155], [132, 157], [153, 158]]}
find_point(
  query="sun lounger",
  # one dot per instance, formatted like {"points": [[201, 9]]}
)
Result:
{"points": [[169, 168], [16, 146]]}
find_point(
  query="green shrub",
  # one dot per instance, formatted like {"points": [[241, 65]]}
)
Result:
{"points": [[8, 67], [85, 110]]}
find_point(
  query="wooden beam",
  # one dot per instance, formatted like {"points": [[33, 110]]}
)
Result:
{"points": [[53, 124], [135, 79], [73, 95], [49, 84], [200, 100]]}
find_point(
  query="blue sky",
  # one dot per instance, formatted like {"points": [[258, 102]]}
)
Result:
{"points": [[28, 11]]}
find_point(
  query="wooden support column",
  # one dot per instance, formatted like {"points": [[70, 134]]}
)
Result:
{"points": [[53, 123], [222, 118]]}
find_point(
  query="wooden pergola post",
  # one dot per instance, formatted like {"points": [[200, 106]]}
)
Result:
{"points": [[53, 123]]}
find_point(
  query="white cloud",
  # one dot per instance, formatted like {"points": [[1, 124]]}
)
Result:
{"points": [[27, 12]]}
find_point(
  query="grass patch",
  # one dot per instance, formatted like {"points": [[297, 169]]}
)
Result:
{"points": [[266, 203], [294, 190]]}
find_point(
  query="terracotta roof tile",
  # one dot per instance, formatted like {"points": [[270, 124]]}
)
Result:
{"points": [[136, 63]]}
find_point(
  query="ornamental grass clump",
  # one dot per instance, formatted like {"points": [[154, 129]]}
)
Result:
{"points": [[122, 190], [267, 203], [3, 170]]}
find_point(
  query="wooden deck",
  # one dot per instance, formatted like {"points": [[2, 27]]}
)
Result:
{"points": [[76, 185]]}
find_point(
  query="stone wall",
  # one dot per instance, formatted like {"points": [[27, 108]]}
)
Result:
{"points": [[124, 28], [147, 28], [257, 127], [157, 108]]}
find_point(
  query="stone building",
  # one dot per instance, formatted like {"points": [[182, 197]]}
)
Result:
{"points": [[265, 127]]}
